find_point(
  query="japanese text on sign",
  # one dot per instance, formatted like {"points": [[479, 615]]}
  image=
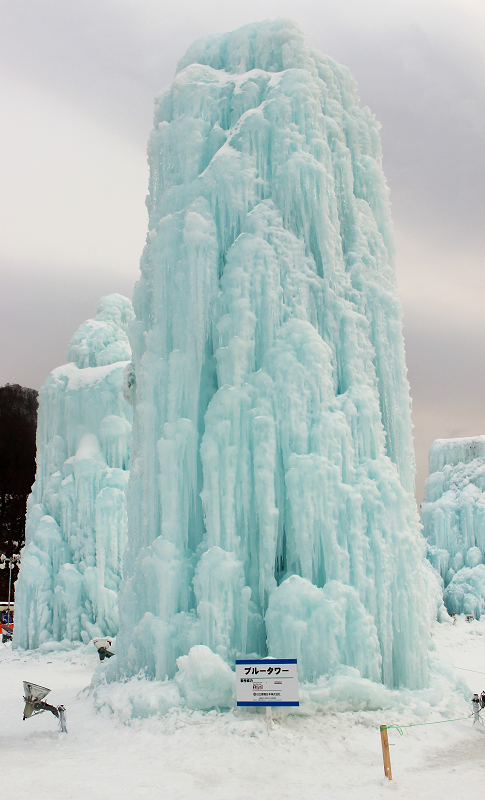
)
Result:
{"points": [[267, 682]]}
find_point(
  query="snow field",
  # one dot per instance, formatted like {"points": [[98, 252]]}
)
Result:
{"points": [[191, 754]]}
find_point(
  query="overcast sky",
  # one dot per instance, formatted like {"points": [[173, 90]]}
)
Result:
{"points": [[77, 81]]}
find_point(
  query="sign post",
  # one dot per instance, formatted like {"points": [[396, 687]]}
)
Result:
{"points": [[267, 682]]}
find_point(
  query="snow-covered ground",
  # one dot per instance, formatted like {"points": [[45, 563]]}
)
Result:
{"points": [[314, 754]]}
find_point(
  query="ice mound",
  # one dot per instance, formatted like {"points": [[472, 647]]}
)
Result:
{"points": [[271, 493], [322, 628], [465, 594], [453, 517], [205, 680], [76, 528]]}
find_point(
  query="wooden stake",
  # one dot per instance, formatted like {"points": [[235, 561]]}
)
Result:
{"points": [[385, 753], [269, 718]]}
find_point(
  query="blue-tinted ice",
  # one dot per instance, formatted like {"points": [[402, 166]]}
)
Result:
{"points": [[76, 518], [453, 517], [270, 499]]}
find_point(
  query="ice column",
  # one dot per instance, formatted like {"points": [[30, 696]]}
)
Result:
{"points": [[76, 515], [270, 498], [453, 517]]}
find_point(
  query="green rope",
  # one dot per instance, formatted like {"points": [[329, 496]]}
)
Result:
{"points": [[397, 727], [416, 724], [470, 670]]}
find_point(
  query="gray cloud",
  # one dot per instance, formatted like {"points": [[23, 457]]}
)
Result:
{"points": [[418, 66], [39, 312]]}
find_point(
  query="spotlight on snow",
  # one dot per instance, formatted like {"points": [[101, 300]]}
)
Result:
{"points": [[104, 648], [477, 704], [34, 704]]}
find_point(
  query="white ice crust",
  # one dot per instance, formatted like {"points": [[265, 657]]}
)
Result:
{"points": [[76, 531], [453, 517], [270, 498]]}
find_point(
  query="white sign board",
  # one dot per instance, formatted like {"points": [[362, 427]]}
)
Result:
{"points": [[267, 682]]}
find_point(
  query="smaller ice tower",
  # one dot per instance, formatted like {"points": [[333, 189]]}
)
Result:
{"points": [[453, 517], [76, 515]]}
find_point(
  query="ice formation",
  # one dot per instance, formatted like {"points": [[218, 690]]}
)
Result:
{"points": [[453, 517], [270, 499], [76, 515]]}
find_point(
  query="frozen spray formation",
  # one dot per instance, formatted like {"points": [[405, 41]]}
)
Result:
{"points": [[76, 515], [270, 498], [453, 516]]}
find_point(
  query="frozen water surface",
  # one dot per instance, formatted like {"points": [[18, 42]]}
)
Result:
{"points": [[270, 502]]}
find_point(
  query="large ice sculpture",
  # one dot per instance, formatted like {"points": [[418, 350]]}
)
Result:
{"points": [[76, 515], [453, 517], [270, 499]]}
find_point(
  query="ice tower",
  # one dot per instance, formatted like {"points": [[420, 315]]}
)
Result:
{"points": [[270, 499], [453, 517], [76, 515]]}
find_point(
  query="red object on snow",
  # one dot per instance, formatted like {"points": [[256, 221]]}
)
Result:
{"points": [[7, 631]]}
